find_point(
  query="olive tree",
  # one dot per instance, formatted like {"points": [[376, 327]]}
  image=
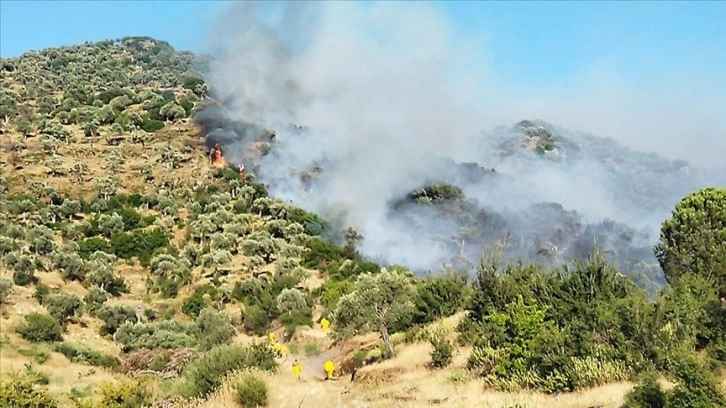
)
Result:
{"points": [[105, 186], [70, 263], [110, 224], [376, 302], [289, 300], [168, 273], [62, 306], [101, 274], [41, 239]]}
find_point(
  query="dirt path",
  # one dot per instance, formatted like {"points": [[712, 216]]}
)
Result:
{"points": [[312, 390]]}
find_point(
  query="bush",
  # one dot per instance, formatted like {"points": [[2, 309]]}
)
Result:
{"points": [[190, 82], [298, 317], [213, 328], [6, 287], [85, 354], [255, 319], [91, 245], [24, 277], [440, 296], [94, 300], [124, 393], [139, 244], [647, 394], [24, 390], [62, 306], [697, 387], [39, 327], [152, 125], [443, 350], [165, 334], [114, 316], [194, 304], [321, 252], [251, 392], [207, 371]]}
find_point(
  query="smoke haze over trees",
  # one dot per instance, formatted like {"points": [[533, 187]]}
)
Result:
{"points": [[378, 112]]}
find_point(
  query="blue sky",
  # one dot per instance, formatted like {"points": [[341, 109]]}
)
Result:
{"points": [[531, 41], [650, 74]]}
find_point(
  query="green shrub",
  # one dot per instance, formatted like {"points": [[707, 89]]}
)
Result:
{"points": [[321, 252], [194, 303], [114, 316], [647, 394], [152, 125], [696, 385], [190, 82], [62, 306], [130, 217], [125, 393], [443, 350], [94, 300], [160, 362], [84, 354], [255, 320], [591, 371], [440, 296], [24, 277], [24, 390], [206, 372], [90, 245], [39, 327], [141, 244], [251, 392], [6, 287], [333, 289], [166, 334], [213, 328], [298, 317]]}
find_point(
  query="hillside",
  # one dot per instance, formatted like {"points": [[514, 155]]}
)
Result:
{"points": [[136, 272]]}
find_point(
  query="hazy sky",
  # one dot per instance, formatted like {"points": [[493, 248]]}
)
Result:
{"points": [[620, 69]]}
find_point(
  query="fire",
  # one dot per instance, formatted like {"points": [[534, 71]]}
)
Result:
{"points": [[216, 156], [218, 161]]}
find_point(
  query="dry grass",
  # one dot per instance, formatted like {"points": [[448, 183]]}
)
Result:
{"points": [[407, 384]]}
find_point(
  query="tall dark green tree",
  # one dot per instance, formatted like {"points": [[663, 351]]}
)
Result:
{"points": [[693, 239]]}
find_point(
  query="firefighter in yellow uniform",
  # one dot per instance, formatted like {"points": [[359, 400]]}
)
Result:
{"points": [[271, 337], [278, 348], [329, 366], [324, 324], [283, 350], [296, 369]]}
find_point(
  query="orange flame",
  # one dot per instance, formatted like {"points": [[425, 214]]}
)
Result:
{"points": [[218, 160]]}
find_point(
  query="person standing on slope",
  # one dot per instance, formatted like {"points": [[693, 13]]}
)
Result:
{"points": [[296, 369]]}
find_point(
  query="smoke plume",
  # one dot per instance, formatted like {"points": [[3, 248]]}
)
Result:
{"points": [[375, 101]]}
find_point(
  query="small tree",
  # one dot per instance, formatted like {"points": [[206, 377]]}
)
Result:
{"points": [[62, 306], [289, 300], [377, 301], [213, 328], [442, 351]]}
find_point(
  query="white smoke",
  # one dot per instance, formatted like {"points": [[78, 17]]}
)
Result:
{"points": [[382, 88]]}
